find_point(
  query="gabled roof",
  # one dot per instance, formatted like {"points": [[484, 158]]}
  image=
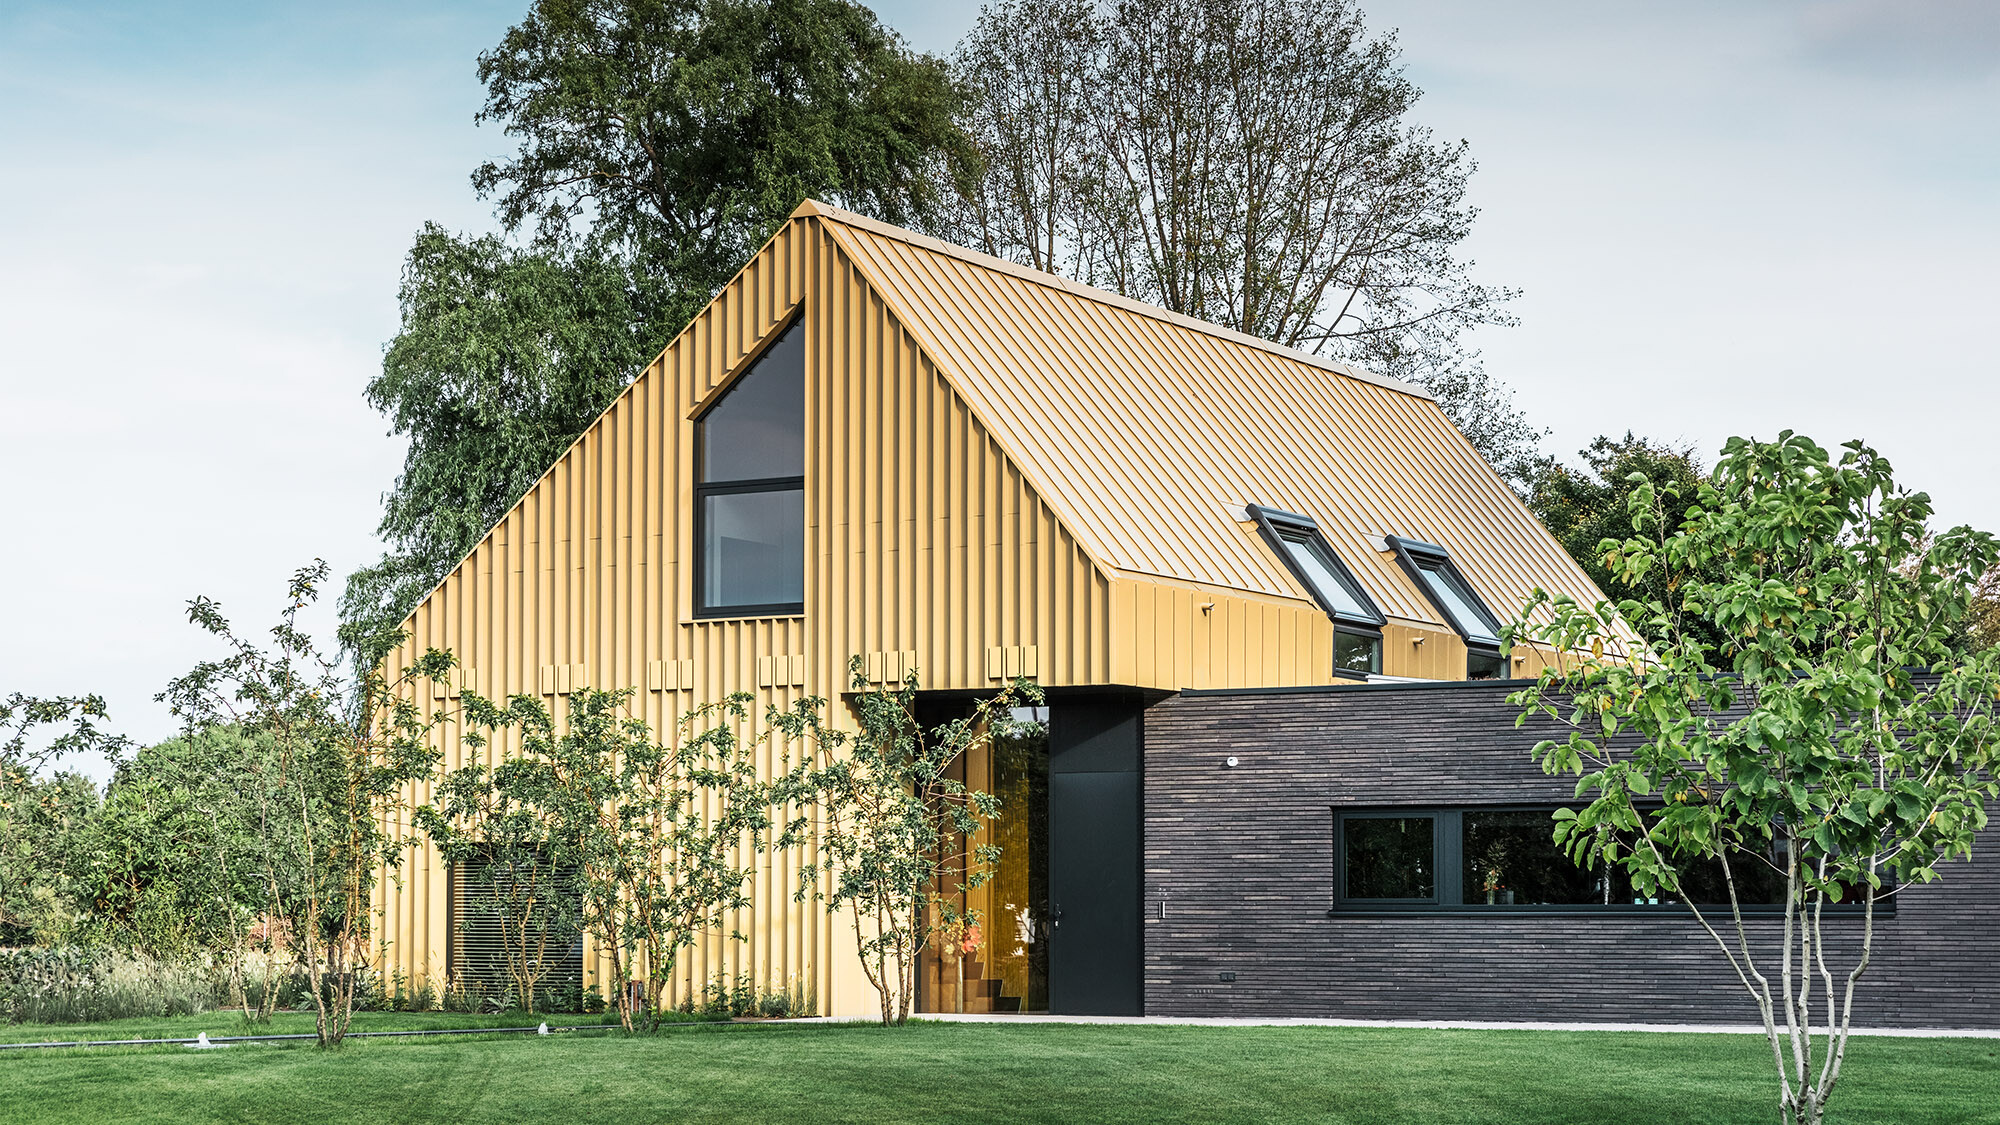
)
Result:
{"points": [[1149, 431]]}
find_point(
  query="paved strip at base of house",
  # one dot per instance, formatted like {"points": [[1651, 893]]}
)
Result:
{"points": [[1427, 1025]]}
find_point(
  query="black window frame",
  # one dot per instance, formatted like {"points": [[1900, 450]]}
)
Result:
{"points": [[1389, 905], [1415, 556], [1448, 885], [1273, 524], [703, 490]]}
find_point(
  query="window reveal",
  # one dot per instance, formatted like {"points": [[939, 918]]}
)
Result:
{"points": [[750, 499]]}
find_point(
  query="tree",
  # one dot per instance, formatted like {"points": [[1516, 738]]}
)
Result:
{"points": [[1838, 744], [660, 143], [1583, 509], [1249, 164], [39, 816], [894, 827], [685, 131], [504, 357], [343, 755], [662, 839], [1983, 624], [518, 868]]}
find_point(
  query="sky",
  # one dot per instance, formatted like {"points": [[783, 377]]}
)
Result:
{"points": [[1725, 218]]}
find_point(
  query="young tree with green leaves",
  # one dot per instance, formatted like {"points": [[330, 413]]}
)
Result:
{"points": [[518, 868], [343, 755], [893, 837], [662, 838], [1253, 164], [1838, 739]]}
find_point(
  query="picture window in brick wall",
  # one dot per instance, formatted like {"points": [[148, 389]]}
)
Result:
{"points": [[1480, 860]]}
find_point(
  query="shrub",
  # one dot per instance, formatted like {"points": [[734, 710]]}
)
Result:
{"points": [[70, 984]]}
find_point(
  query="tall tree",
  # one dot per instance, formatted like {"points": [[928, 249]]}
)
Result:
{"points": [[1247, 163], [1839, 746], [684, 131], [504, 357], [1589, 510], [660, 142], [40, 816]]}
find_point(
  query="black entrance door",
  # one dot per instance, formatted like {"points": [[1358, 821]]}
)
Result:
{"points": [[1094, 874]]}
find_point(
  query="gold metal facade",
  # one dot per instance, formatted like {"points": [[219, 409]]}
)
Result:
{"points": [[1005, 474]]}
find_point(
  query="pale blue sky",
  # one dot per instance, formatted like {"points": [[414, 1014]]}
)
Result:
{"points": [[1728, 218]]}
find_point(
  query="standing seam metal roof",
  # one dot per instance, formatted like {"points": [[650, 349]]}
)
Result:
{"points": [[1145, 429]]}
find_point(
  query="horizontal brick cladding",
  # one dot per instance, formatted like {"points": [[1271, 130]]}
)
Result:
{"points": [[1239, 878]]}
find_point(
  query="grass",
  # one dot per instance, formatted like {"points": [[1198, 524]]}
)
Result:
{"points": [[231, 1022], [999, 1073]]}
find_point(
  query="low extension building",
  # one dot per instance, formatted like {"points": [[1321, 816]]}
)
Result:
{"points": [[1263, 590]]}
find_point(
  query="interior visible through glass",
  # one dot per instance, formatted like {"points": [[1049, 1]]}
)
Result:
{"points": [[1481, 665], [1004, 966], [755, 544], [1389, 857]]}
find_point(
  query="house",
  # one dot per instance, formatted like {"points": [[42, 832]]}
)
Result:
{"points": [[1245, 576]]}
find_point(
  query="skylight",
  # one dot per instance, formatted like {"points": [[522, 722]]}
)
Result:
{"points": [[1449, 591], [1312, 560]]}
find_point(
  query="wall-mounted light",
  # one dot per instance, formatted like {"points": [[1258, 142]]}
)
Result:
{"points": [[1230, 761]]}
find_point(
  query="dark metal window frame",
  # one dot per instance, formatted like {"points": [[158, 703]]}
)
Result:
{"points": [[1448, 854], [1272, 523], [703, 490], [1433, 903], [1412, 555]]}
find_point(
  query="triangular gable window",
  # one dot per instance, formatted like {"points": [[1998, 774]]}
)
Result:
{"points": [[1357, 631], [750, 510]]}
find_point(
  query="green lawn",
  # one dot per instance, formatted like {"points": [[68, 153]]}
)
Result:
{"points": [[996, 1073]]}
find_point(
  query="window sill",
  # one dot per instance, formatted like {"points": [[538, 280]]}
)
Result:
{"points": [[753, 613]]}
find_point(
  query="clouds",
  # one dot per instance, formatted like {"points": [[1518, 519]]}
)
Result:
{"points": [[1728, 218], [1903, 40]]}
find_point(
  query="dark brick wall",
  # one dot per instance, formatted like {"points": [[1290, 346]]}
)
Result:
{"points": [[1239, 876]]}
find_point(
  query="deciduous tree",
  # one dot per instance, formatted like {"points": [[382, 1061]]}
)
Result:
{"points": [[663, 838], [1837, 736], [343, 756], [1250, 164], [1586, 508], [39, 816], [893, 835], [660, 143]]}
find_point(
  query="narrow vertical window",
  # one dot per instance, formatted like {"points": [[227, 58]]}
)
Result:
{"points": [[1357, 623], [1434, 573], [750, 510]]}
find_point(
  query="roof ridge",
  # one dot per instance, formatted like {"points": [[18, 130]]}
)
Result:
{"points": [[1102, 296]]}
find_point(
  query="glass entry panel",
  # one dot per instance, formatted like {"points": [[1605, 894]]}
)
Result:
{"points": [[1004, 965]]}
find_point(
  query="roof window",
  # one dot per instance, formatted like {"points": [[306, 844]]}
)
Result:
{"points": [[1432, 569], [1357, 640]]}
